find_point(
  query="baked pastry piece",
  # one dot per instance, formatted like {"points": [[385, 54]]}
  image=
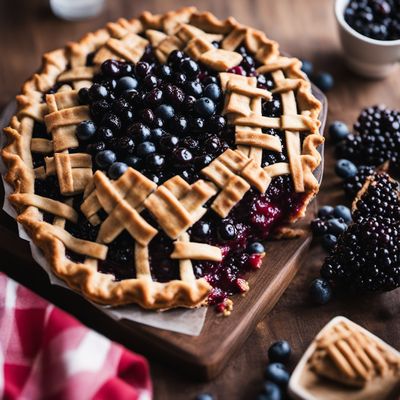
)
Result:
{"points": [[149, 155]]}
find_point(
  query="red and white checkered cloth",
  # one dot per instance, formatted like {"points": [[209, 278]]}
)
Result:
{"points": [[47, 354]]}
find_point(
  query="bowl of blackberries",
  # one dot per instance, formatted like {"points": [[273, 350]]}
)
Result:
{"points": [[369, 32]]}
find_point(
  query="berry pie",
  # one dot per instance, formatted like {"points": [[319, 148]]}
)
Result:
{"points": [[151, 158]]}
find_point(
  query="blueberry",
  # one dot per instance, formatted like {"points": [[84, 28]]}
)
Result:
{"points": [[320, 291], [154, 97], [111, 121], [183, 156], [175, 57], [83, 95], [156, 134], [271, 391], [255, 248], [99, 108], [174, 95], [216, 123], [142, 69], [168, 143], [145, 148], [105, 134], [116, 170], [204, 396], [227, 231], [307, 67], [164, 72], [336, 226], [212, 91], [125, 145], [343, 212], [279, 351], [325, 212], [193, 88], [277, 373], [111, 68], [338, 131], [133, 161], [210, 79], [328, 241], [105, 158], [85, 130], [94, 148], [324, 81], [97, 92], [139, 131], [150, 81], [201, 231], [188, 103], [178, 125], [204, 106], [197, 124], [190, 68], [179, 79], [345, 169], [155, 161], [165, 111], [127, 83]]}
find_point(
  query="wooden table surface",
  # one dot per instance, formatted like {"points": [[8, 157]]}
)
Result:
{"points": [[304, 28]]}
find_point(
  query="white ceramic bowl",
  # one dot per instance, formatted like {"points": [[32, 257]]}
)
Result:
{"points": [[368, 57]]}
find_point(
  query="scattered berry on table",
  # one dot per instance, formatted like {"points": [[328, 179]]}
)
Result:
{"points": [[345, 169], [320, 291], [336, 226], [324, 81], [204, 396], [338, 131], [307, 67], [279, 351], [319, 227], [271, 391], [325, 212], [277, 373], [343, 212]]}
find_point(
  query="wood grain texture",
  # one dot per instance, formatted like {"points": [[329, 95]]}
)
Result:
{"points": [[304, 28]]}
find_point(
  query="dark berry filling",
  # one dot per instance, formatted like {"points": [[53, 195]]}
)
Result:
{"points": [[377, 19], [165, 120]]}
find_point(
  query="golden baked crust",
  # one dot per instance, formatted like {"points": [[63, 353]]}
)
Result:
{"points": [[175, 205]]}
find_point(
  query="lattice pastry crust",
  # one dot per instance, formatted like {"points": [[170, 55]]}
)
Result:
{"points": [[175, 205]]}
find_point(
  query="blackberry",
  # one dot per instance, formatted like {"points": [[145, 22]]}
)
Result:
{"points": [[380, 198], [376, 138], [353, 184], [367, 255]]}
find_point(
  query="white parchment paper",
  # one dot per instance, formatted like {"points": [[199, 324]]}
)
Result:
{"points": [[186, 321]]}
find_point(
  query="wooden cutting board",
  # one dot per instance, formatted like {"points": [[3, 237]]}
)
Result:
{"points": [[203, 356]]}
